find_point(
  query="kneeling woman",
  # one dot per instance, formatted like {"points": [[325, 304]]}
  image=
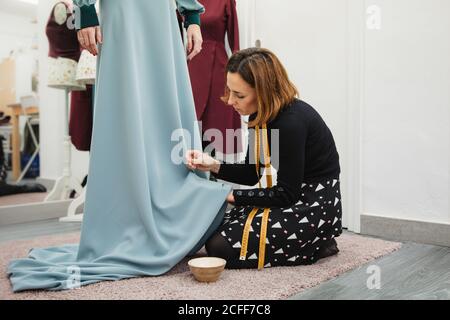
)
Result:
{"points": [[301, 215]]}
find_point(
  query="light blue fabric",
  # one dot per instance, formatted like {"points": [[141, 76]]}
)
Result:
{"points": [[143, 213]]}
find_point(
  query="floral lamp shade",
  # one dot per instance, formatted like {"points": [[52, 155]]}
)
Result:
{"points": [[87, 68], [62, 75]]}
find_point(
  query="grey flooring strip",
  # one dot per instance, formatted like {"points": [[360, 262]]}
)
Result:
{"points": [[415, 272]]}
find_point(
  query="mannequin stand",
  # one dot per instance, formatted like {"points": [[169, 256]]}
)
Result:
{"points": [[67, 182], [72, 215]]}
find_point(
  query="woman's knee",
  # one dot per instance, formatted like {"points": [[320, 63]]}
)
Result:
{"points": [[218, 246]]}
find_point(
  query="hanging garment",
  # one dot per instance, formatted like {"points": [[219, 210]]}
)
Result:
{"points": [[63, 45], [207, 70], [81, 118], [144, 212]]}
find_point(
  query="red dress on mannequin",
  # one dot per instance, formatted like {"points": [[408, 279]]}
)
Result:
{"points": [[81, 118], [63, 43], [207, 70]]}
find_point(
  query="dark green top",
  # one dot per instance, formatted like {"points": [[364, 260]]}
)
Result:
{"points": [[89, 17]]}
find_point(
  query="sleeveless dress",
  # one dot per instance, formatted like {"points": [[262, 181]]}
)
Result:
{"points": [[63, 43], [145, 211]]}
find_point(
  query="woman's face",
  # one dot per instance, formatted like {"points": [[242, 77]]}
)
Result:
{"points": [[242, 95]]}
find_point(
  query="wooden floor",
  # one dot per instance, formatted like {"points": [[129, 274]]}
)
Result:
{"points": [[416, 271]]}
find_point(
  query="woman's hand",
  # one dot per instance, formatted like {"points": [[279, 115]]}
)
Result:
{"points": [[230, 198], [194, 41], [89, 38], [197, 160]]}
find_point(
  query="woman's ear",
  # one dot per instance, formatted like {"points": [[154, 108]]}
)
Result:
{"points": [[60, 13]]}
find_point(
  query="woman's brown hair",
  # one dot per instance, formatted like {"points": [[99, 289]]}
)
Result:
{"points": [[263, 71]]}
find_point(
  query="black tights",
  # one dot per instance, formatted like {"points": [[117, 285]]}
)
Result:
{"points": [[218, 246]]}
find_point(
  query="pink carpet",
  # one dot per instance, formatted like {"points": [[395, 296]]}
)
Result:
{"points": [[179, 284]]}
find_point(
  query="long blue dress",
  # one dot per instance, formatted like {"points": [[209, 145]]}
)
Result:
{"points": [[144, 212]]}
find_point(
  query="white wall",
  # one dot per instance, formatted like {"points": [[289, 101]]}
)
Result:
{"points": [[247, 19], [52, 104], [383, 93], [15, 32], [309, 37], [25, 65], [407, 111]]}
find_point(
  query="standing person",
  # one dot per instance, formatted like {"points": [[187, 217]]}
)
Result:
{"points": [[207, 74], [305, 205], [144, 212]]}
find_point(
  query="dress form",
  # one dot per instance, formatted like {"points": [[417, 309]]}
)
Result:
{"points": [[63, 60], [63, 55], [86, 74]]}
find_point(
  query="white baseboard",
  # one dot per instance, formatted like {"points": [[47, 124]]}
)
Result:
{"points": [[34, 212], [427, 232]]}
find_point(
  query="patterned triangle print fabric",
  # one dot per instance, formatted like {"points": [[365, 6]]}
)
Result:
{"points": [[294, 234]]}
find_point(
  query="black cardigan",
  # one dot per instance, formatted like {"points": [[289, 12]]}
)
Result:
{"points": [[307, 154]]}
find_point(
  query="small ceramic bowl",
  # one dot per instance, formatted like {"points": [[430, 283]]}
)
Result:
{"points": [[207, 269]]}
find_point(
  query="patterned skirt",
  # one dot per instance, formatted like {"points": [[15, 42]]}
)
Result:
{"points": [[294, 235]]}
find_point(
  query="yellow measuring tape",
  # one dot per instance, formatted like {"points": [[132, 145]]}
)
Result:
{"points": [[257, 153], [251, 216]]}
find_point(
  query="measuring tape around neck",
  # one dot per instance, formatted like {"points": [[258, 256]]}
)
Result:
{"points": [[251, 216]]}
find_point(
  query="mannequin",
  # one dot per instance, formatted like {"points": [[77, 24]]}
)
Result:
{"points": [[64, 57], [64, 53], [64, 50], [207, 72], [81, 123]]}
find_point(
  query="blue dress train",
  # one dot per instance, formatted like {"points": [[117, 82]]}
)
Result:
{"points": [[144, 211]]}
